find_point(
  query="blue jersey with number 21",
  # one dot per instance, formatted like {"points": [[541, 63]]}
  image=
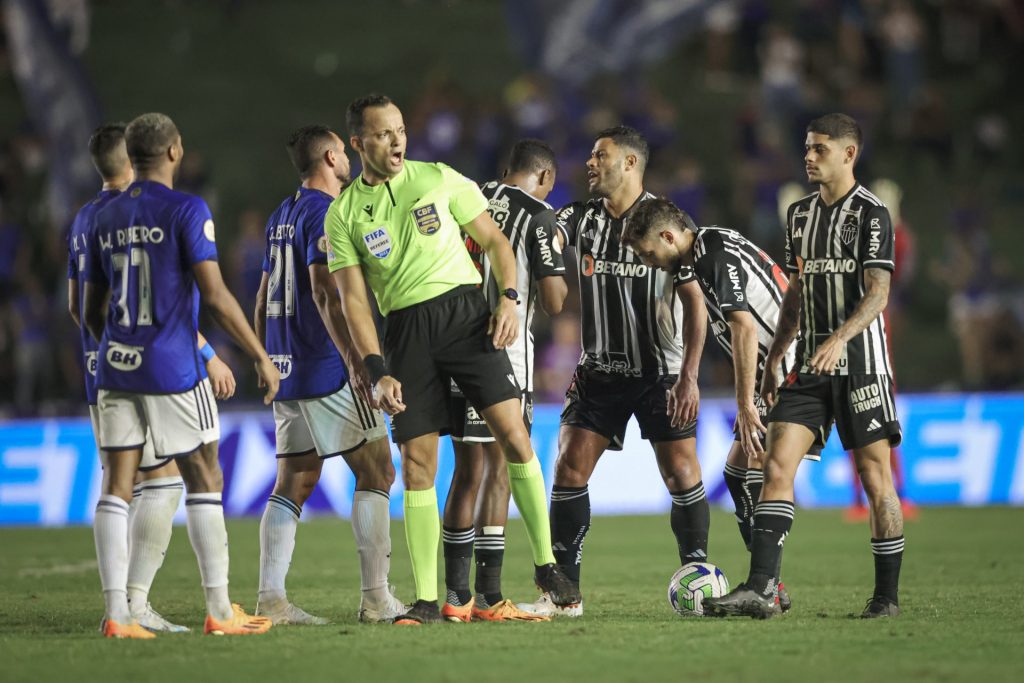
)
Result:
{"points": [[143, 247], [297, 340]]}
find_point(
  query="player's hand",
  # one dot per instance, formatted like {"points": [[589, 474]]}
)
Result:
{"points": [[388, 395], [221, 378], [683, 401], [269, 377], [826, 357], [504, 325], [769, 385], [750, 430], [359, 376]]}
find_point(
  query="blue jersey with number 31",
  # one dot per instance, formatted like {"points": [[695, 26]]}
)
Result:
{"points": [[297, 340], [143, 247]]}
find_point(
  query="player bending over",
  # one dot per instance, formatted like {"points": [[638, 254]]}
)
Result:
{"points": [[477, 505], [322, 409], [743, 290], [150, 248], [839, 253]]}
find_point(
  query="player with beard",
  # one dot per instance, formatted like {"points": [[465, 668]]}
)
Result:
{"points": [[322, 409], [839, 253], [643, 334]]}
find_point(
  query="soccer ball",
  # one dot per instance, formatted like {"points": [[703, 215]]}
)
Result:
{"points": [[692, 583]]}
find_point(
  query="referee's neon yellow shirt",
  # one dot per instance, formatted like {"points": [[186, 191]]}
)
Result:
{"points": [[405, 233]]}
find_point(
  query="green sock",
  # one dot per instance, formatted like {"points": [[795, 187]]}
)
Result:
{"points": [[527, 483], [422, 529]]}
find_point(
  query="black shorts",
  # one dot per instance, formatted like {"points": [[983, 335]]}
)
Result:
{"points": [[603, 402], [469, 426], [429, 344], [861, 406], [813, 453]]}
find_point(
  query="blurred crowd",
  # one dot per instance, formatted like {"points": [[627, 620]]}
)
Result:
{"points": [[882, 61]]}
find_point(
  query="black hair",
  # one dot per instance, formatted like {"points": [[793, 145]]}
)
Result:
{"points": [[307, 146], [652, 213], [531, 155], [107, 149], [837, 126], [354, 114], [631, 138]]}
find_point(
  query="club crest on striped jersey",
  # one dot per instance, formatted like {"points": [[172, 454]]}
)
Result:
{"points": [[851, 225], [378, 242], [427, 219]]}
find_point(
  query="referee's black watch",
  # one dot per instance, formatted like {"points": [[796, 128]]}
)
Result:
{"points": [[511, 293]]}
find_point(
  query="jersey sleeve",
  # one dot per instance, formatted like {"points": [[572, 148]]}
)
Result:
{"points": [[567, 221], [72, 258], [93, 271], [316, 240], [198, 238], [542, 246], [877, 244], [465, 199], [723, 269], [341, 252], [791, 264]]}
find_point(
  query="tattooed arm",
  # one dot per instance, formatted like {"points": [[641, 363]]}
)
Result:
{"points": [[785, 332], [876, 296]]}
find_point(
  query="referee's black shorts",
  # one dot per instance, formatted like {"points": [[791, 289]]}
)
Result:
{"points": [[603, 402], [862, 407], [428, 344]]}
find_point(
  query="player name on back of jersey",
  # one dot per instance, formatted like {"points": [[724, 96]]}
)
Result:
{"points": [[136, 234]]}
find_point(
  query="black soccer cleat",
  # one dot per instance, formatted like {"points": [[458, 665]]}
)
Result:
{"points": [[879, 607], [423, 612], [784, 601], [742, 602], [553, 581]]}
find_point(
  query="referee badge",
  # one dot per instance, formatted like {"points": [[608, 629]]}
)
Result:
{"points": [[427, 220], [378, 242]]}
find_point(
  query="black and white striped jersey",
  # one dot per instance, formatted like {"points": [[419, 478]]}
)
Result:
{"points": [[632, 321], [529, 225], [830, 247], [736, 275]]}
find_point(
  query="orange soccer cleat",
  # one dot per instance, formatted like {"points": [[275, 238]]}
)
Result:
{"points": [[505, 611], [240, 624], [458, 613], [113, 629]]}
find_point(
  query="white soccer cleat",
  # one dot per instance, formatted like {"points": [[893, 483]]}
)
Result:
{"points": [[153, 621], [545, 607], [284, 613], [375, 612]]}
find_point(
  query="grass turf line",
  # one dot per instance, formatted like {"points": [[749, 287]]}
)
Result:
{"points": [[961, 596]]}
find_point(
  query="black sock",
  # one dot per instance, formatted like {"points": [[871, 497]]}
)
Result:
{"points": [[570, 522], [691, 520], [736, 482], [458, 554], [755, 481], [490, 554], [772, 521], [888, 560]]}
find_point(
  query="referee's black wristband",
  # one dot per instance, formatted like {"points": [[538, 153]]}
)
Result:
{"points": [[376, 367]]}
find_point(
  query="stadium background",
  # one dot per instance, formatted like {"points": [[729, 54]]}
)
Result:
{"points": [[722, 90]]}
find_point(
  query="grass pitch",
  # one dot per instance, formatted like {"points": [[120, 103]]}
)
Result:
{"points": [[962, 599]]}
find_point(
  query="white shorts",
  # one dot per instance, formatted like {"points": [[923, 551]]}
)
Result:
{"points": [[332, 425], [149, 460], [174, 424]]}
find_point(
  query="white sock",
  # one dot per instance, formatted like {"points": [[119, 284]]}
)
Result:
{"points": [[149, 533], [205, 518], [371, 523], [277, 543], [110, 529]]}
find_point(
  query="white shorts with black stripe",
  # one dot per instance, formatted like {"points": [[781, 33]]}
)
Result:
{"points": [[149, 460], [175, 424], [332, 425]]}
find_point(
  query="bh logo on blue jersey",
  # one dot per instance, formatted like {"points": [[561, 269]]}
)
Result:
{"points": [[124, 357], [283, 363], [378, 241]]}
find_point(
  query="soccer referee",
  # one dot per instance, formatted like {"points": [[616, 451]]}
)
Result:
{"points": [[397, 228]]}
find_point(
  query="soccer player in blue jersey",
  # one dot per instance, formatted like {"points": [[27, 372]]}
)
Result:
{"points": [[150, 249], [322, 409], [159, 485]]}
